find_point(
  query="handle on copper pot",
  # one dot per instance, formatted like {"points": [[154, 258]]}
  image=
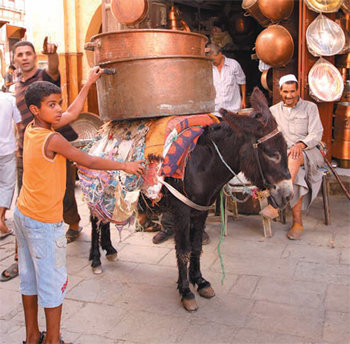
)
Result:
{"points": [[92, 45], [109, 71]]}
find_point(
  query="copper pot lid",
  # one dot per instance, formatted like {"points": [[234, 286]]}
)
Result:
{"points": [[325, 81], [324, 6], [129, 12]]}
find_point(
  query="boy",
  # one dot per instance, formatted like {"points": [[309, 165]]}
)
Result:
{"points": [[38, 215]]}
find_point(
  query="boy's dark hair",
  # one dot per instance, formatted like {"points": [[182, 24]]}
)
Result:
{"points": [[23, 44], [38, 90], [12, 67]]}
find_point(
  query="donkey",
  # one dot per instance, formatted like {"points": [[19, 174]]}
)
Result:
{"points": [[248, 143]]}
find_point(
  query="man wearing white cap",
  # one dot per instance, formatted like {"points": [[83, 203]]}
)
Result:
{"points": [[300, 123]]}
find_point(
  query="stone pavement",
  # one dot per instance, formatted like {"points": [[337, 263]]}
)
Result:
{"points": [[275, 290]]}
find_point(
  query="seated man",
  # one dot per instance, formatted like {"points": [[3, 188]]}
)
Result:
{"points": [[300, 123]]}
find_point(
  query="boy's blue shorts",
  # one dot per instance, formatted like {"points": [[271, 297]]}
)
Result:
{"points": [[41, 259]]}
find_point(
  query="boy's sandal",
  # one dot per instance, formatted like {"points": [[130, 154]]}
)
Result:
{"points": [[9, 273], [72, 235], [41, 339]]}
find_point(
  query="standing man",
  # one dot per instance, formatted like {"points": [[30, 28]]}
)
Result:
{"points": [[25, 59], [300, 123], [229, 81]]}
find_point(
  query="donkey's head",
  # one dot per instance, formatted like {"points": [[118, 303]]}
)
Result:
{"points": [[263, 154]]}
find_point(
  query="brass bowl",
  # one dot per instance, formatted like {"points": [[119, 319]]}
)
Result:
{"points": [[275, 46], [324, 6]]}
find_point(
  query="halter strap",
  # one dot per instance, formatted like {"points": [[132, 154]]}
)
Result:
{"points": [[266, 137]]}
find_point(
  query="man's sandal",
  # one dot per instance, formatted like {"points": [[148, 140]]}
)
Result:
{"points": [[72, 235], [9, 273], [149, 226]]}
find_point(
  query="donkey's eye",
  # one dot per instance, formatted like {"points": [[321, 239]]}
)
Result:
{"points": [[274, 157]]}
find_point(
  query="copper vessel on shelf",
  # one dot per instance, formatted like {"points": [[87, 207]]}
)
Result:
{"points": [[152, 73]]}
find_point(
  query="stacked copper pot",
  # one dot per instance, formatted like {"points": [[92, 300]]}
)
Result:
{"points": [[341, 134]]}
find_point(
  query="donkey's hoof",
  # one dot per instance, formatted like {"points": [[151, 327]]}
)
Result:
{"points": [[97, 270], [207, 292], [190, 305], [112, 257]]}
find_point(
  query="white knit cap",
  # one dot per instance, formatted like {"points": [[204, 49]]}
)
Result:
{"points": [[288, 77]]}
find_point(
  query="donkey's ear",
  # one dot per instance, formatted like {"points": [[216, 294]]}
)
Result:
{"points": [[258, 100], [260, 105]]}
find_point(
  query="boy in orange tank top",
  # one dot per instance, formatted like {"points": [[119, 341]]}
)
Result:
{"points": [[39, 212]]}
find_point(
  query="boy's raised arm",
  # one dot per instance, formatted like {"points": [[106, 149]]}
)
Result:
{"points": [[75, 108], [58, 144]]}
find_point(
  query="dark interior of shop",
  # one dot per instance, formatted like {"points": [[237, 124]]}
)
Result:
{"points": [[228, 24]]}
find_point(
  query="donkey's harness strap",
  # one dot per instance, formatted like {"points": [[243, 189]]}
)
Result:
{"points": [[266, 137], [183, 198]]}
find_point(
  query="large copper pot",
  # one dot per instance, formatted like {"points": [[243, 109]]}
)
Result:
{"points": [[275, 46], [276, 10], [152, 73], [341, 144]]}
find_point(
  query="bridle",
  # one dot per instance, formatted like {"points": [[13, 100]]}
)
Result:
{"points": [[256, 153]]}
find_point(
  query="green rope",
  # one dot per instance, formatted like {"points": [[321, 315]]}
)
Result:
{"points": [[222, 232]]}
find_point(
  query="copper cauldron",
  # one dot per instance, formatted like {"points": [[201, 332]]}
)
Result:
{"points": [[276, 10], [275, 46], [152, 73]]}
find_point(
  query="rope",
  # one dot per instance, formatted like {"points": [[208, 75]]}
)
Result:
{"points": [[230, 194], [222, 232], [246, 189]]}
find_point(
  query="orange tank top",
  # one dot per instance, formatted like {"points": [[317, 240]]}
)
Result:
{"points": [[44, 179]]}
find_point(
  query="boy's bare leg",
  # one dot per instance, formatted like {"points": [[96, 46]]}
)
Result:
{"points": [[53, 324], [30, 305]]}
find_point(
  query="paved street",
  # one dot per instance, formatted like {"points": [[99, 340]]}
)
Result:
{"points": [[275, 290]]}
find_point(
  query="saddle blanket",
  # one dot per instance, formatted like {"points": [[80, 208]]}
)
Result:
{"points": [[165, 144]]}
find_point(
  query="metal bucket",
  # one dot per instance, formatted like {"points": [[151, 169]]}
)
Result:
{"points": [[153, 73]]}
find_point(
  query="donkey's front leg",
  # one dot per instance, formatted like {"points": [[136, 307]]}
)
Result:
{"points": [[195, 274], [183, 252]]}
